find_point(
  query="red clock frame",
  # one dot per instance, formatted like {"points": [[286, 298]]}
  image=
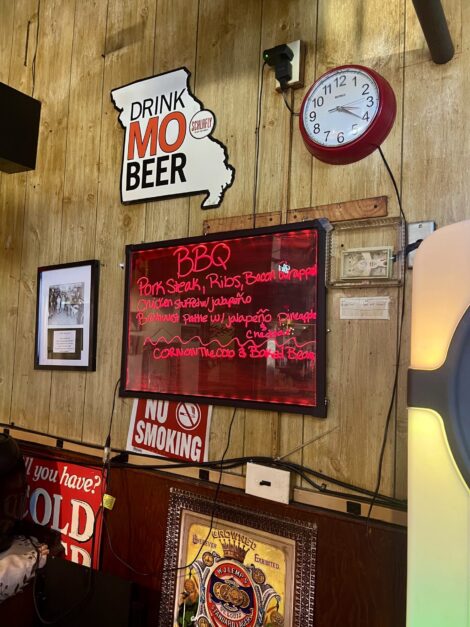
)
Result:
{"points": [[371, 139]]}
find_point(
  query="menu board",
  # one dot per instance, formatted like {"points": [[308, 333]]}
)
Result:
{"points": [[231, 319]]}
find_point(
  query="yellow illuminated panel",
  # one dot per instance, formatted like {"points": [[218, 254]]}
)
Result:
{"points": [[439, 528], [441, 293]]}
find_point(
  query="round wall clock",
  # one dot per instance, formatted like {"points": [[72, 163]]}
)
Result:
{"points": [[346, 114]]}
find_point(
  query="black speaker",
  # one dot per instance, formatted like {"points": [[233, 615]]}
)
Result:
{"points": [[19, 130], [69, 595]]}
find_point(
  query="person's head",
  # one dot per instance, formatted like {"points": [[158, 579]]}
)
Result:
{"points": [[189, 586], [13, 488]]}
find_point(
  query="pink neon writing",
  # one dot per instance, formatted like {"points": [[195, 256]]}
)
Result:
{"points": [[155, 317], [222, 281], [195, 318], [267, 334], [229, 301], [262, 316], [201, 257], [180, 287], [199, 351], [157, 303], [192, 303], [284, 317], [300, 273], [150, 289]]}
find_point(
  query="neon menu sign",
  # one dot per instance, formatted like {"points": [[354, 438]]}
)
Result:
{"points": [[232, 319]]}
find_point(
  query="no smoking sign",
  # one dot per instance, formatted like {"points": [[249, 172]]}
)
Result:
{"points": [[168, 429], [188, 415]]}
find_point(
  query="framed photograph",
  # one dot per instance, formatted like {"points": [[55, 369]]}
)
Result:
{"points": [[235, 318], [241, 568], [365, 253], [66, 316], [366, 263]]}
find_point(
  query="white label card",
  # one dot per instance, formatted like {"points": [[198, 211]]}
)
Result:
{"points": [[64, 342], [371, 308]]}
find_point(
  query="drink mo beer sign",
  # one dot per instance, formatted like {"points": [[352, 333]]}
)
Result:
{"points": [[168, 147]]}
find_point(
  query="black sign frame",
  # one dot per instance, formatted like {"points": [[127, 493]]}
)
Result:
{"points": [[319, 409]]}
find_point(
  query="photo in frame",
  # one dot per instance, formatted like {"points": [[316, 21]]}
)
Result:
{"points": [[246, 569], [66, 316]]}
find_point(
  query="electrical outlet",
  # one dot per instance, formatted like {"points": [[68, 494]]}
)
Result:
{"points": [[416, 231], [297, 63], [268, 483]]}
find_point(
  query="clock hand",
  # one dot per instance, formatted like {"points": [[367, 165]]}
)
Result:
{"points": [[346, 110], [353, 102], [350, 105]]}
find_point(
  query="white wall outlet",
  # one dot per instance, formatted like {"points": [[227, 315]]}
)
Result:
{"points": [[297, 63], [416, 231], [268, 483]]}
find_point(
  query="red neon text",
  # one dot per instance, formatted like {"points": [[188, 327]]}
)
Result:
{"points": [[201, 257]]}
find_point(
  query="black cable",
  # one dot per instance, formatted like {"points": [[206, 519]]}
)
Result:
{"points": [[123, 562], [394, 184], [284, 97], [214, 506], [92, 537], [399, 342], [82, 600], [33, 64], [229, 464], [240, 461], [107, 446], [258, 122]]}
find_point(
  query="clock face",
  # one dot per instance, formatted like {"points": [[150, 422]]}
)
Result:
{"points": [[341, 107]]}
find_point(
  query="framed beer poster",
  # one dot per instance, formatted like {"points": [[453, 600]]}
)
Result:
{"points": [[239, 568]]}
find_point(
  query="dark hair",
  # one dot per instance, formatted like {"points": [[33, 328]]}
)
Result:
{"points": [[10, 454], [12, 488]]}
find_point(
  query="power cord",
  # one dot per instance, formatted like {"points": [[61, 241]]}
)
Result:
{"points": [[104, 483], [257, 127], [211, 524], [284, 97], [399, 345]]}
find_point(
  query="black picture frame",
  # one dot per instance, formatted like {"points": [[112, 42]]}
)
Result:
{"points": [[130, 389], [67, 316]]}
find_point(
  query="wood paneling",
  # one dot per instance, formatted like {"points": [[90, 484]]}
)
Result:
{"points": [[79, 207], [360, 570], [340, 211], [13, 36], [129, 50], [358, 402], [50, 69], [69, 208]]}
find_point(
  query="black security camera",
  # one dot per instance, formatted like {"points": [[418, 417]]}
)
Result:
{"points": [[280, 58]]}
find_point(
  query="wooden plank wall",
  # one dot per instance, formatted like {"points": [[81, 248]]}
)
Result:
{"points": [[71, 53]]}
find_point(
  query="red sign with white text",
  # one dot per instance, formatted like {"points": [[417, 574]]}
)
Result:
{"points": [[167, 429], [66, 498]]}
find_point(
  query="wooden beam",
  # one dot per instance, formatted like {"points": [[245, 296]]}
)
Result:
{"points": [[340, 211]]}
